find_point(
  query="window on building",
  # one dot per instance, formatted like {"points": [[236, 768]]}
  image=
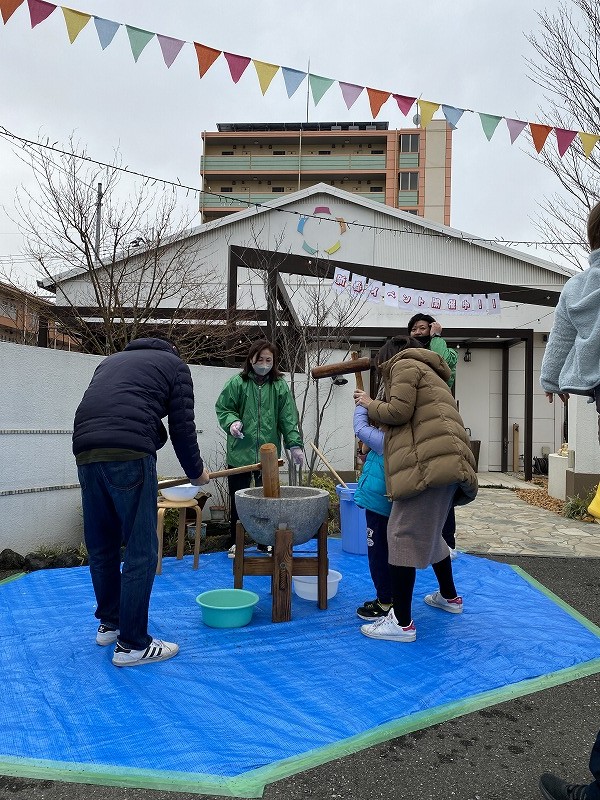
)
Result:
{"points": [[225, 189], [226, 152], [411, 211], [409, 143], [376, 189], [409, 181], [277, 189], [7, 309], [324, 152], [376, 152], [278, 152]]}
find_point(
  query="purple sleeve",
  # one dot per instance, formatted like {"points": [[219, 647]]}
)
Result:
{"points": [[367, 433]]}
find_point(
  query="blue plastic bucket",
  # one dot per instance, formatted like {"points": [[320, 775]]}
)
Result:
{"points": [[353, 522], [227, 608]]}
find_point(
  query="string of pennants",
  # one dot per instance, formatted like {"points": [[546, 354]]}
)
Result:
{"points": [[357, 286], [75, 21]]}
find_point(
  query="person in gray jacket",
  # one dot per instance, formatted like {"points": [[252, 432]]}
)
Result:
{"points": [[571, 364]]}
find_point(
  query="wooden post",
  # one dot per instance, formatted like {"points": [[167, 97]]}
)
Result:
{"points": [[282, 575], [270, 470], [238, 561], [322, 566]]}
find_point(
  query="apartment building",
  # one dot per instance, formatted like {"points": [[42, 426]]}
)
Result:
{"points": [[246, 163], [27, 319]]}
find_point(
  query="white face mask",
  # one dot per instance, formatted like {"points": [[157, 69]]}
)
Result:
{"points": [[262, 369]]}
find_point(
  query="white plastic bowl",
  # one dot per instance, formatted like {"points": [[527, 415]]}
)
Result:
{"points": [[306, 587], [178, 493]]}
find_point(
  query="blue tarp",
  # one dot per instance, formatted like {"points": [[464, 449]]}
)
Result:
{"points": [[238, 708]]}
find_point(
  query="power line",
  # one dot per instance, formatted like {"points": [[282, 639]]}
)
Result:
{"points": [[4, 132]]}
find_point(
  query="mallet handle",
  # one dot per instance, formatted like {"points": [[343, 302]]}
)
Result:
{"points": [[327, 464], [221, 473], [358, 375]]}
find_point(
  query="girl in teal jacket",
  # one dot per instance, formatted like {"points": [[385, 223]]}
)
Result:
{"points": [[256, 407]]}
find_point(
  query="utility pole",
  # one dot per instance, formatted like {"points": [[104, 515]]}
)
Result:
{"points": [[98, 221]]}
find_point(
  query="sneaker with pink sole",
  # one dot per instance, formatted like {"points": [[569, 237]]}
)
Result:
{"points": [[388, 628], [436, 600]]}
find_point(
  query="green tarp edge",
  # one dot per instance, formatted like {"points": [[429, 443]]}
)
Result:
{"points": [[251, 784]]}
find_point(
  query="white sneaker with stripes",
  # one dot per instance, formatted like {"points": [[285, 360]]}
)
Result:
{"points": [[157, 650]]}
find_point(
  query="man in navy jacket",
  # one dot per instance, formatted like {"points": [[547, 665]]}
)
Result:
{"points": [[117, 430]]}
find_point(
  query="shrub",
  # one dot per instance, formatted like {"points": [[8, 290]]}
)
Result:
{"points": [[576, 507]]}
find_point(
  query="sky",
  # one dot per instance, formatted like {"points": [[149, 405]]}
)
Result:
{"points": [[470, 54]]}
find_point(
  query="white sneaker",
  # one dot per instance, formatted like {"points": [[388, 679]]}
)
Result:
{"points": [[106, 635], [231, 552], [157, 650], [388, 628], [437, 601], [453, 553]]}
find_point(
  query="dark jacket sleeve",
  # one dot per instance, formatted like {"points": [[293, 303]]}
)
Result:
{"points": [[182, 424]]}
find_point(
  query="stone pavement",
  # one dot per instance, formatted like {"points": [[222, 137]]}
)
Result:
{"points": [[498, 522]]}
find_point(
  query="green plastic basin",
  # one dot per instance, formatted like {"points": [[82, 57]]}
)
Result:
{"points": [[227, 608]]}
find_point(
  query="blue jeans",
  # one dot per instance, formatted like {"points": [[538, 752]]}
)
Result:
{"points": [[119, 507]]}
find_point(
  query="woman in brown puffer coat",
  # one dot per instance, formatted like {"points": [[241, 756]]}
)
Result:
{"points": [[429, 467]]}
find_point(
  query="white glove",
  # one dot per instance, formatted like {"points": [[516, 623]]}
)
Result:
{"points": [[235, 429], [297, 456]]}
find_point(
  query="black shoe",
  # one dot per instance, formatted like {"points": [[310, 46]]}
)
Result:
{"points": [[373, 609], [553, 788]]}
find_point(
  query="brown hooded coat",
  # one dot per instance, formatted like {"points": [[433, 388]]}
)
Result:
{"points": [[426, 444]]}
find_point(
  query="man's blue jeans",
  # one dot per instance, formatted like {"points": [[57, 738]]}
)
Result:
{"points": [[119, 507]]}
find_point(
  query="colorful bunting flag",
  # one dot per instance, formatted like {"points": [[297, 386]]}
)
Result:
{"points": [[8, 8], [318, 86], [106, 30], [75, 22], [564, 139], [293, 78], [170, 48], [539, 134], [588, 142], [206, 57], [404, 103], [265, 72], [489, 123], [350, 92], [237, 65], [515, 126], [452, 115], [39, 11], [138, 39], [376, 99], [427, 110]]}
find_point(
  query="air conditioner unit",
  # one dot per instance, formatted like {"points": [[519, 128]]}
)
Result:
{"points": [[336, 127], [353, 128]]}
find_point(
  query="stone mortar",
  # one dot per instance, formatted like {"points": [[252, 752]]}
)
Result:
{"points": [[301, 508]]}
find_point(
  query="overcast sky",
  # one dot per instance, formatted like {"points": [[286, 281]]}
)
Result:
{"points": [[469, 54]]}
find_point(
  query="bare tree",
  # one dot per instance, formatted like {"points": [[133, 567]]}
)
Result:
{"points": [[119, 260], [309, 321], [567, 67]]}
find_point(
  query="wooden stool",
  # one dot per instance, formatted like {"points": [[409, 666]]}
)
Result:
{"points": [[281, 565], [182, 505]]}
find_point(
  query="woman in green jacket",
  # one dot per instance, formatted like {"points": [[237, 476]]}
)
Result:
{"points": [[254, 408]]}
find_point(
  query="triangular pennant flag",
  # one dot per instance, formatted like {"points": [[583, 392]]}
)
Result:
{"points": [[489, 123], [452, 115], [427, 110], [75, 22], [404, 103], [588, 142], [8, 8], [138, 39], [376, 99], [350, 92], [106, 30], [237, 65], [170, 48], [515, 126], [39, 11], [265, 72], [206, 57], [539, 134], [564, 139], [293, 78], [318, 86]]}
